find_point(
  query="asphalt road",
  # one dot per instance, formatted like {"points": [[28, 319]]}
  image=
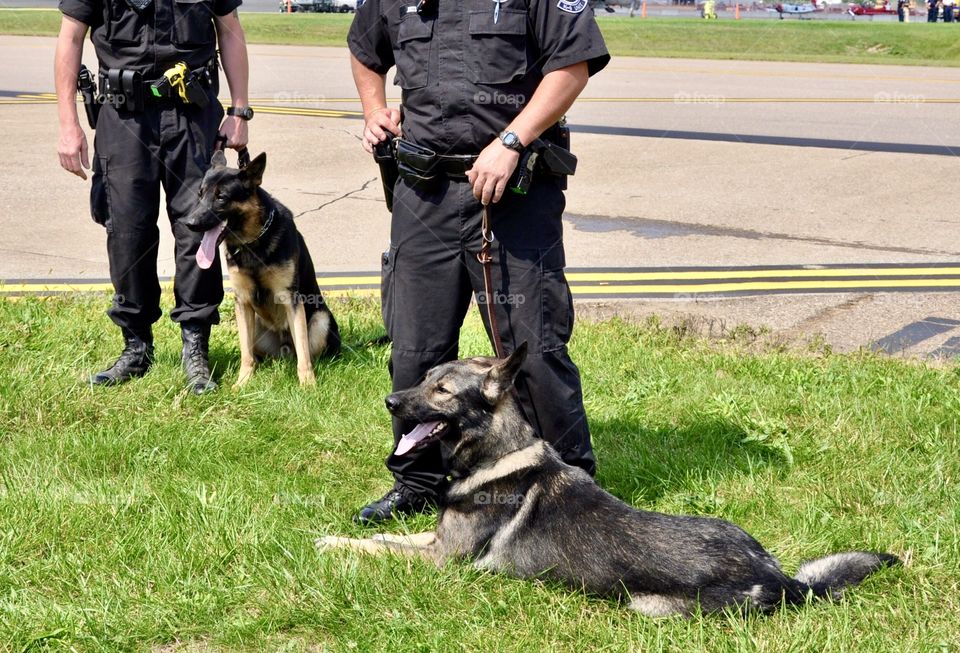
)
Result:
{"points": [[682, 163]]}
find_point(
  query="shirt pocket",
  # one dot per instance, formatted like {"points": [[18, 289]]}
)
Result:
{"points": [[497, 51], [193, 22], [412, 53], [125, 26]]}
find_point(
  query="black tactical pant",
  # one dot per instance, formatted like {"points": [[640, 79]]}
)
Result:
{"points": [[429, 276], [167, 144]]}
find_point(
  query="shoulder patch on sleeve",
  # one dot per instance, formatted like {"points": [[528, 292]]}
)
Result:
{"points": [[572, 6]]}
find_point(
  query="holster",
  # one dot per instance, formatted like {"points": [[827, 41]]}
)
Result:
{"points": [[88, 90], [385, 157]]}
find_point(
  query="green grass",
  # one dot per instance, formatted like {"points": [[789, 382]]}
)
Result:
{"points": [[916, 43], [144, 518]]}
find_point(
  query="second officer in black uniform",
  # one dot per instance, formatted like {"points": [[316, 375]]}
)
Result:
{"points": [[480, 80], [158, 123]]}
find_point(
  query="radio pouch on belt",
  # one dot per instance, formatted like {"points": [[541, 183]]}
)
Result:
{"points": [[416, 166], [132, 84], [113, 90], [196, 94]]}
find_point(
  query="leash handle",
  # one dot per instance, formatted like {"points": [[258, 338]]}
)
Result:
{"points": [[486, 259], [243, 154]]}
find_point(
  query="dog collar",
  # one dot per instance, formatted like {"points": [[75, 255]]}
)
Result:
{"points": [[266, 225]]}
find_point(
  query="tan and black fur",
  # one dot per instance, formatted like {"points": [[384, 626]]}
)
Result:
{"points": [[514, 506], [279, 306]]}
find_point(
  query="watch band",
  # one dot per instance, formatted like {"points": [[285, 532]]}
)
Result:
{"points": [[511, 141], [246, 113]]}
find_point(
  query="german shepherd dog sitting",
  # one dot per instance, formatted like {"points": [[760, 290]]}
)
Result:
{"points": [[514, 506], [278, 300]]}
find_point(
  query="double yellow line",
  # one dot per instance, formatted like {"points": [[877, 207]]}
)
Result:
{"points": [[644, 283]]}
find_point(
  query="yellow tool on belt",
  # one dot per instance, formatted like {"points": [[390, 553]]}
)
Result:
{"points": [[173, 80]]}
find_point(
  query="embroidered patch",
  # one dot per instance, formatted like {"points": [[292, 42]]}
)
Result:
{"points": [[572, 6]]}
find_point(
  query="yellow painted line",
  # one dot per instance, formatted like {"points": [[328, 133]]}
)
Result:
{"points": [[304, 111], [97, 287], [757, 286], [600, 281], [61, 287], [319, 99], [758, 274]]}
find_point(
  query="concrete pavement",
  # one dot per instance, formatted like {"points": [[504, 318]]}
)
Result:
{"points": [[683, 199]]}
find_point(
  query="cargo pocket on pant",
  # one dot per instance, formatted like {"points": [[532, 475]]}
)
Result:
{"points": [[557, 302], [99, 193], [387, 301]]}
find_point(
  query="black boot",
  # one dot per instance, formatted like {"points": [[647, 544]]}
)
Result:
{"points": [[134, 361], [196, 349], [399, 501]]}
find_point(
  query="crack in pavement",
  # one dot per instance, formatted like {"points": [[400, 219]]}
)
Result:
{"points": [[337, 199]]}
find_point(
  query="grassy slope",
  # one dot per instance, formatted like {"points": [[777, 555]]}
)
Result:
{"points": [[773, 40], [140, 516]]}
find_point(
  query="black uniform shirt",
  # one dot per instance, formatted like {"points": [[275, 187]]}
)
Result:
{"points": [[151, 41], [466, 72]]}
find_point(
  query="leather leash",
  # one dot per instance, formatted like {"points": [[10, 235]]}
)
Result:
{"points": [[486, 259], [243, 154]]}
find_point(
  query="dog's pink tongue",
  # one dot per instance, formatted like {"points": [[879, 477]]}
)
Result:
{"points": [[207, 253], [409, 440]]}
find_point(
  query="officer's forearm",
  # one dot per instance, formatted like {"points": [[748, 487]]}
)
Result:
{"points": [[552, 99], [66, 66], [233, 55], [371, 87]]}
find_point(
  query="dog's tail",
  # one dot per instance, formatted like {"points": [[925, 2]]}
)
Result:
{"points": [[829, 576]]}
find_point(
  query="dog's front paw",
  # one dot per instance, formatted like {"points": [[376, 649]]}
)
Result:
{"points": [[332, 542], [307, 377], [246, 373]]}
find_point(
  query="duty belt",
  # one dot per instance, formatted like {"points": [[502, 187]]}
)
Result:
{"points": [[127, 89]]}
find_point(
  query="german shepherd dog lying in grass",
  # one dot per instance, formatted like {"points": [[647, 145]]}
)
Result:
{"points": [[514, 506], [278, 300]]}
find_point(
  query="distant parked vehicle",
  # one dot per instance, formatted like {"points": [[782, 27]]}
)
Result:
{"points": [[866, 8], [319, 6]]}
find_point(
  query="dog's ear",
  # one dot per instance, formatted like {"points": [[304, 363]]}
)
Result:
{"points": [[218, 160], [501, 376], [254, 170]]}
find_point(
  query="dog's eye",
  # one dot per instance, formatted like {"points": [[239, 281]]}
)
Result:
{"points": [[220, 196], [442, 390]]}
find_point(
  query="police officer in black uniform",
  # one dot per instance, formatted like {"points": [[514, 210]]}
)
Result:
{"points": [[480, 80], [152, 131]]}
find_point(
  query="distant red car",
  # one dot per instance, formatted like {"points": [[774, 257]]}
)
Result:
{"points": [[871, 10]]}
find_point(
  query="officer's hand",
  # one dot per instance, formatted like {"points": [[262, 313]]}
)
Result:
{"points": [[235, 129], [378, 123], [491, 172], [72, 149]]}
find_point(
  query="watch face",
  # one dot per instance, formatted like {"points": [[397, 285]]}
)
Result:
{"points": [[510, 139]]}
